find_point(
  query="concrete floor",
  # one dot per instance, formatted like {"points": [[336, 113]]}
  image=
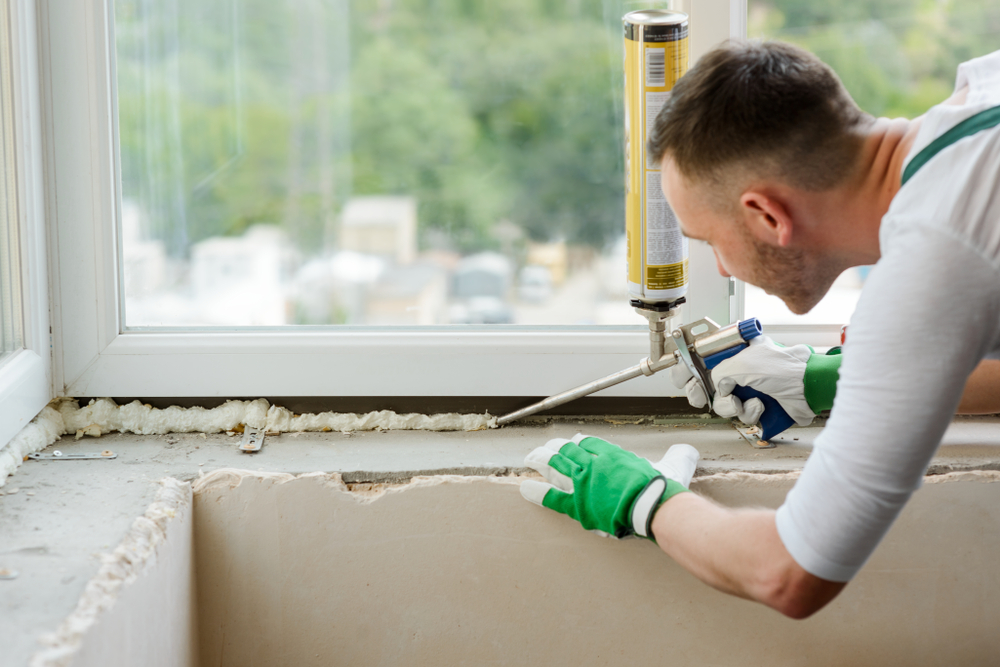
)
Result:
{"points": [[57, 518]]}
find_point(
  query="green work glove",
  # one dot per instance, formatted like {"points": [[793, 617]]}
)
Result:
{"points": [[607, 489]]}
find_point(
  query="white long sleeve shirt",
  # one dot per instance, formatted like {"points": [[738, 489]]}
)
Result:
{"points": [[929, 312]]}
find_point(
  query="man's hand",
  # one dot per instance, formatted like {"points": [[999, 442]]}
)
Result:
{"points": [[682, 378], [604, 487], [803, 382]]}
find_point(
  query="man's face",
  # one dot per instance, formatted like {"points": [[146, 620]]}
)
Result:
{"points": [[799, 278]]}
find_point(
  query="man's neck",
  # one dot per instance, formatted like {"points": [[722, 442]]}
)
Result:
{"points": [[853, 211], [886, 146]]}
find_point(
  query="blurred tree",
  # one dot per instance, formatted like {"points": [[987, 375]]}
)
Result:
{"points": [[896, 57], [238, 112], [413, 134]]}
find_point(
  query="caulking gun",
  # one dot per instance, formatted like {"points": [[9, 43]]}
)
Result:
{"points": [[700, 346]]}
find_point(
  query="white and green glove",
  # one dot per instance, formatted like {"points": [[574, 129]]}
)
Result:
{"points": [[607, 489], [802, 381]]}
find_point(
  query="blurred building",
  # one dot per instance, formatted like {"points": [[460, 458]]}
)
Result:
{"points": [[144, 262], [612, 267], [409, 295], [480, 288], [553, 255], [534, 284], [334, 289], [382, 226], [243, 280]]}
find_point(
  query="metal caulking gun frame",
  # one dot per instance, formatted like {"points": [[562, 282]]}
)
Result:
{"points": [[700, 352]]}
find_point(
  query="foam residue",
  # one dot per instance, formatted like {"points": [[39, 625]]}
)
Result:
{"points": [[281, 419], [141, 419], [64, 416], [42, 431], [118, 569]]}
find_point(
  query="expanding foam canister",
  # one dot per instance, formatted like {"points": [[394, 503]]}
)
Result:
{"points": [[656, 56]]}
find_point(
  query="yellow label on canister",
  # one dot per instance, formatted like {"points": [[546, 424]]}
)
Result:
{"points": [[668, 276], [656, 56]]}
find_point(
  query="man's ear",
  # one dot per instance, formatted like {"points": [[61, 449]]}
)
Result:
{"points": [[767, 218]]}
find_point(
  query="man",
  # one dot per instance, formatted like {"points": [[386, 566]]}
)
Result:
{"points": [[766, 157]]}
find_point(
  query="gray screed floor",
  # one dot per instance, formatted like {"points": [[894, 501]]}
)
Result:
{"points": [[57, 518]]}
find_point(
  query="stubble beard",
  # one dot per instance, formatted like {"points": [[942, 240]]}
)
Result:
{"points": [[798, 279]]}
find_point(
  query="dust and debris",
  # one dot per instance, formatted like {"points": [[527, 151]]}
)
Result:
{"points": [[362, 491], [988, 476]]}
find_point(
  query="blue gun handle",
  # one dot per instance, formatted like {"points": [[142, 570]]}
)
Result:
{"points": [[774, 420]]}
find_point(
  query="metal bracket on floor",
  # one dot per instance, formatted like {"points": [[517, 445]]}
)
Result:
{"points": [[752, 435], [80, 456], [253, 439]]}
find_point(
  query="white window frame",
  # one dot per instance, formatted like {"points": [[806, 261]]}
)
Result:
{"points": [[26, 375], [96, 357]]}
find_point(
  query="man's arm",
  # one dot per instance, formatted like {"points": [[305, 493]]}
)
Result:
{"points": [[738, 551], [982, 390], [889, 418], [614, 492]]}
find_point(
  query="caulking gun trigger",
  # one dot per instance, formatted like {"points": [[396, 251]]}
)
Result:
{"points": [[697, 371]]}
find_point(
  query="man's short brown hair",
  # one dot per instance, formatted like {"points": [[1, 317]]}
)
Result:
{"points": [[763, 108]]}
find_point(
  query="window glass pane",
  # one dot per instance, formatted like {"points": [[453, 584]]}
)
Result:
{"points": [[10, 267], [896, 57], [834, 308], [371, 161]]}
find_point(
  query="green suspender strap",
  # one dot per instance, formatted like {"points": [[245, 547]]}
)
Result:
{"points": [[983, 120]]}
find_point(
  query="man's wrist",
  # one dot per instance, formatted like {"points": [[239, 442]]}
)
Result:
{"points": [[666, 514]]}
